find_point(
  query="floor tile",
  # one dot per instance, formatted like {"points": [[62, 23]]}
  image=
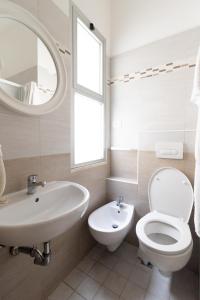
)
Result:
{"points": [[75, 278], [99, 272], [115, 283], [88, 288], [86, 264], [140, 276], [111, 276], [108, 260], [76, 296], [62, 292], [123, 268], [128, 252], [182, 295], [105, 294], [133, 292], [185, 280], [96, 252]]}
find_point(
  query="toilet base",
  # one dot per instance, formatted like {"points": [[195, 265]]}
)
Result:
{"points": [[166, 274], [167, 264], [144, 259]]}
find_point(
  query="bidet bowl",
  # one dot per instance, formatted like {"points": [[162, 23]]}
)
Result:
{"points": [[110, 224], [27, 220]]}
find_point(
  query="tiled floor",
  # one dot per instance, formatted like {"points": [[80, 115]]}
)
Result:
{"points": [[105, 276]]}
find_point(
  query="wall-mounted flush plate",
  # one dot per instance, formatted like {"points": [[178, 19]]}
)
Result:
{"points": [[169, 150]]}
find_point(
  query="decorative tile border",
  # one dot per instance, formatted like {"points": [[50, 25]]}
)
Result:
{"points": [[154, 71]]}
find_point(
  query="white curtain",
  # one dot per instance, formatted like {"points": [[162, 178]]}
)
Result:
{"points": [[196, 99]]}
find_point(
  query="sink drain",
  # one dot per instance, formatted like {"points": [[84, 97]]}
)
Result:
{"points": [[115, 226]]}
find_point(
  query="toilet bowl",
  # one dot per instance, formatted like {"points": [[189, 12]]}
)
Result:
{"points": [[164, 235], [110, 224]]}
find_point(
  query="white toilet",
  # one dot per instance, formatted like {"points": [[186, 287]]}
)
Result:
{"points": [[164, 235], [110, 224]]}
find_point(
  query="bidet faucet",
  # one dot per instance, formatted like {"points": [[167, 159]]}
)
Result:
{"points": [[120, 200], [32, 183]]}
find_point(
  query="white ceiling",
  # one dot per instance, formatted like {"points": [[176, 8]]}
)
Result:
{"points": [[135, 23]]}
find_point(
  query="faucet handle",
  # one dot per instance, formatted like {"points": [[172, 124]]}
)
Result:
{"points": [[121, 198], [32, 178], [43, 183]]}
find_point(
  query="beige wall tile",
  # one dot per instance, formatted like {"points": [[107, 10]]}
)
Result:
{"points": [[62, 113], [17, 171], [5, 110], [117, 188], [55, 167], [30, 5], [54, 137], [94, 180], [19, 136], [124, 163], [13, 271], [59, 28]]}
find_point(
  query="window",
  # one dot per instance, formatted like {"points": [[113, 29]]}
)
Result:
{"points": [[89, 92]]}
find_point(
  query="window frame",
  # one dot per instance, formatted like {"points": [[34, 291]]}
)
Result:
{"points": [[77, 88]]}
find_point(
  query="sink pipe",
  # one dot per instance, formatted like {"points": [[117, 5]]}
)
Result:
{"points": [[40, 258]]}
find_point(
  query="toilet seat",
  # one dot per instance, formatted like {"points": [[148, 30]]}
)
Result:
{"points": [[172, 226]]}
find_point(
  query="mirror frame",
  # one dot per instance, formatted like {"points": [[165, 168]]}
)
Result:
{"points": [[16, 13]]}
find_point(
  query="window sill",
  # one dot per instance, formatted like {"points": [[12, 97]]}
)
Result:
{"points": [[88, 166]]}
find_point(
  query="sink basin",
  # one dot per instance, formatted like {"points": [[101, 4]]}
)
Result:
{"points": [[27, 220]]}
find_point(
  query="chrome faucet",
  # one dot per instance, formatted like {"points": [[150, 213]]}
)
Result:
{"points": [[120, 200], [32, 183]]}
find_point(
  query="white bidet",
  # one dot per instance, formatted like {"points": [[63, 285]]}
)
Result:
{"points": [[110, 224]]}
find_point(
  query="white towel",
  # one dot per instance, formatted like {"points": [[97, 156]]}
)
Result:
{"points": [[30, 91], [196, 99], [196, 86]]}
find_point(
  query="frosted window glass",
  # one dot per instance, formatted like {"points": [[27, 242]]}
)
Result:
{"points": [[89, 59], [88, 129]]}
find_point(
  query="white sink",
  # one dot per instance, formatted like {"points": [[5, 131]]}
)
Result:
{"points": [[27, 220]]}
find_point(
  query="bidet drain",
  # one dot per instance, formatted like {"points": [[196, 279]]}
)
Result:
{"points": [[115, 226]]}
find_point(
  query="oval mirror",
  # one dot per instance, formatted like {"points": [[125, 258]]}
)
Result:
{"points": [[27, 70], [31, 69]]}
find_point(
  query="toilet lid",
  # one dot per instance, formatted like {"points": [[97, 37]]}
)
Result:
{"points": [[170, 192]]}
